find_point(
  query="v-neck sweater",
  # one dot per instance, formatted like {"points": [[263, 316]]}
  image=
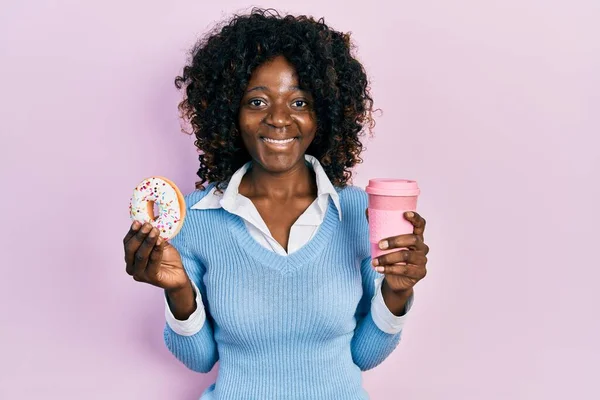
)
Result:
{"points": [[282, 327]]}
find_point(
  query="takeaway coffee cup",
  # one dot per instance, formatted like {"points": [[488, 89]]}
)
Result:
{"points": [[389, 199]]}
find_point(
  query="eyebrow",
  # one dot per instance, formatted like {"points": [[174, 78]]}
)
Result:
{"points": [[266, 89]]}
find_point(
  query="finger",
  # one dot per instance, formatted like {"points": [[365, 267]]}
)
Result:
{"points": [[143, 252], [155, 259], [410, 271], [403, 256], [135, 226], [410, 241], [417, 221], [132, 246]]}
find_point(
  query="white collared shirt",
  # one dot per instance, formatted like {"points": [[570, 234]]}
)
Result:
{"points": [[302, 231]]}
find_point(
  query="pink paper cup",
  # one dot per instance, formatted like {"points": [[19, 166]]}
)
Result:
{"points": [[389, 199]]}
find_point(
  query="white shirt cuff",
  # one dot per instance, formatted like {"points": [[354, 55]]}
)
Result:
{"points": [[382, 316], [195, 321]]}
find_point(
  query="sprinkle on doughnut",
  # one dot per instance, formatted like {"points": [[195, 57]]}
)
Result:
{"points": [[170, 203]]}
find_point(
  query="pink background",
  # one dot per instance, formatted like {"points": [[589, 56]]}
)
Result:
{"points": [[493, 106]]}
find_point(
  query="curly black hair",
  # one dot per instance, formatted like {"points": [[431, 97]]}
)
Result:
{"points": [[220, 68]]}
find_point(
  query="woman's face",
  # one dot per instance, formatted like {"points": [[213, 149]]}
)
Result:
{"points": [[276, 118]]}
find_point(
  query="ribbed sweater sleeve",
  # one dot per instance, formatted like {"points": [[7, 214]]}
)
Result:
{"points": [[199, 351], [370, 345]]}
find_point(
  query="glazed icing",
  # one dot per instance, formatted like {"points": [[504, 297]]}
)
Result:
{"points": [[157, 191]]}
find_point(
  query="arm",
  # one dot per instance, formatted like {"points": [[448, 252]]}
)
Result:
{"points": [[190, 321], [378, 331], [191, 339]]}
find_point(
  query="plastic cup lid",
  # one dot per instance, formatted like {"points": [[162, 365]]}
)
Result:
{"points": [[393, 187]]}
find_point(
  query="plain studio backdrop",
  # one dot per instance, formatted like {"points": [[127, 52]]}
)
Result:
{"points": [[493, 106]]}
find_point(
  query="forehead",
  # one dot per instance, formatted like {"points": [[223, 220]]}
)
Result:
{"points": [[276, 72]]}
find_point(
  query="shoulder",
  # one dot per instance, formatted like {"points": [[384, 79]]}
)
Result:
{"points": [[197, 195], [353, 199], [354, 202], [196, 223]]}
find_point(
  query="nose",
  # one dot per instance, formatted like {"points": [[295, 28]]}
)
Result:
{"points": [[278, 116]]}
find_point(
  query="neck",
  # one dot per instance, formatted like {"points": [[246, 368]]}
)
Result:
{"points": [[297, 181]]}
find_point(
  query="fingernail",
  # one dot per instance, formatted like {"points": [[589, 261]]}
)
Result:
{"points": [[159, 241], [380, 270], [410, 214], [375, 262], [135, 226], [384, 244]]}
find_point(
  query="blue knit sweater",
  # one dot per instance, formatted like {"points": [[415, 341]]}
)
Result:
{"points": [[282, 327]]}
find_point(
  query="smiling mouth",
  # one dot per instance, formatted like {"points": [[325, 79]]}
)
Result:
{"points": [[278, 141]]}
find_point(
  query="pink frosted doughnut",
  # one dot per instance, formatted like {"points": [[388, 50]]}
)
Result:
{"points": [[169, 199]]}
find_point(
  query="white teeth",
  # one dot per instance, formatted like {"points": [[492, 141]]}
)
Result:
{"points": [[278, 141]]}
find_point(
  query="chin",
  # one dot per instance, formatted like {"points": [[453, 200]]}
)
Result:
{"points": [[280, 164]]}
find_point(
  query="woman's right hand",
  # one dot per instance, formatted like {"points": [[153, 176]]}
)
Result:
{"points": [[150, 259]]}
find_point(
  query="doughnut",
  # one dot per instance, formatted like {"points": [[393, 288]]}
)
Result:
{"points": [[169, 200]]}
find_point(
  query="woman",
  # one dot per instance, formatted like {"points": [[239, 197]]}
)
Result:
{"points": [[271, 273]]}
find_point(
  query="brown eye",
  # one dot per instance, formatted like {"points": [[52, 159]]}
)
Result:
{"points": [[255, 102], [300, 104]]}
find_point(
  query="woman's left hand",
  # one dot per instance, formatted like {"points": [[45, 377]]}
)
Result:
{"points": [[404, 268]]}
